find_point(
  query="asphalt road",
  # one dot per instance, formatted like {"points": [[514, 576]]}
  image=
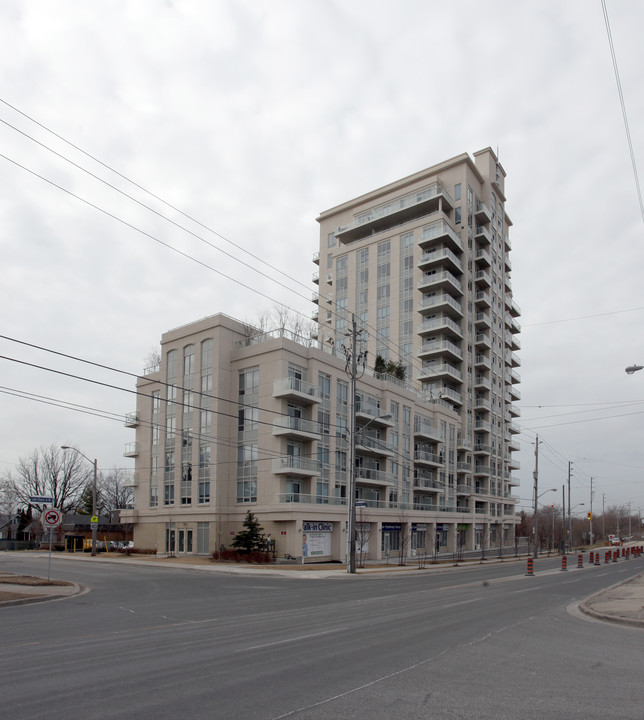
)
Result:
{"points": [[480, 642]]}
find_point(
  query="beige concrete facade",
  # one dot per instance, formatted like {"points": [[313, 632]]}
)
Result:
{"points": [[236, 420]]}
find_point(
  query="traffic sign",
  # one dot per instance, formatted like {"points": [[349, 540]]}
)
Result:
{"points": [[41, 499], [51, 518], [94, 519]]}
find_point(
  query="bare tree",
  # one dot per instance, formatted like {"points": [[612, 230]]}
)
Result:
{"points": [[115, 491], [404, 537], [363, 531], [280, 317], [52, 472], [153, 358]]}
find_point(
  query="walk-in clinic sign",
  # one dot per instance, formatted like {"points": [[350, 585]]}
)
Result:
{"points": [[316, 538]]}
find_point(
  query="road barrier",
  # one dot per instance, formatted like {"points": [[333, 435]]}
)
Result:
{"points": [[597, 559], [607, 556], [580, 561], [615, 555], [564, 562], [592, 557], [530, 567]]}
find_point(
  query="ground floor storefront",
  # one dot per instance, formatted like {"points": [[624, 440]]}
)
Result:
{"points": [[321, 536]]}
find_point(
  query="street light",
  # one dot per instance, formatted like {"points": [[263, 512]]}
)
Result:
{"points": [[351, 500], [95, 465], [536, 509], [633, 369], [570, 509]]}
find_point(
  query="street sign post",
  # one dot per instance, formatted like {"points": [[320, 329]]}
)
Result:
{"points": [[41, 499], [51, 518]]}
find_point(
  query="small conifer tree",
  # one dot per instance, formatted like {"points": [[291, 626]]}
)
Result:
{"points": [[252, 537]]}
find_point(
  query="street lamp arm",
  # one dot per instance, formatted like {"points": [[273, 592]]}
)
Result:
{"points": [[94, 464], [69, 447], [633, 369]]}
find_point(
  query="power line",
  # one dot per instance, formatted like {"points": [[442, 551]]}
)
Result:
{"points": [[623, 106]]}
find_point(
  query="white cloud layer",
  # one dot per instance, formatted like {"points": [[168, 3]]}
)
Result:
{"points": [[252, 117]]}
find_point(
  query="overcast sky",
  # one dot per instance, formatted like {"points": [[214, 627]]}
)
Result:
{"points": [[252, 117]]}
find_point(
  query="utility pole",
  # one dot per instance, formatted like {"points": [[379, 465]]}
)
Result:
{"points": [[591, 512], [603, 516], [536, 496], [563, 516], [569, 508], [355, 360]]}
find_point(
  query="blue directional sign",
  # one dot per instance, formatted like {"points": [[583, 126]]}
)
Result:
{"points": [[42, 499]]}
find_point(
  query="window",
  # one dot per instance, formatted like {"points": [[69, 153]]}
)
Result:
{"points": [[204, 474], [203, 538], [206, 355], [247, 491], [171, 365], [457, 191], [188, 360]]}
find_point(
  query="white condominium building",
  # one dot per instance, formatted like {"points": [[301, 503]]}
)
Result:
{"points": [[414, 285]]}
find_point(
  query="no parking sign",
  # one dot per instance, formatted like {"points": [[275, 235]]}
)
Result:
{"points": [[51, 518]]}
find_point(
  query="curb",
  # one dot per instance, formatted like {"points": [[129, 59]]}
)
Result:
{"points": [[584, 606], [75, 590]]}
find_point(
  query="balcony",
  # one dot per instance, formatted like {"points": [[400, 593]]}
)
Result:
{"points": [[483, 257], [440, 231], [440, 324], [398, 211], [482, 426], [368, 412], [482, 339], [463, 467], [440, 303], [481, 403], [483, 297], [316, 258], [370, 476], [482, 449], [440, 348], [423, 428], [482, 361], [427, 457], [439, 280], [482, 213], [463, 489], [131, 450], [442, 371], [481, 470], [514, 309], [441, 255], [291, 388], [451, 396], [366, 445], [483, 234], [480, 381], [131, 420], [315, 298], [427, 483], [296, 466], [483, 320], [515, 378], [297, 428], [482, 279]]}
